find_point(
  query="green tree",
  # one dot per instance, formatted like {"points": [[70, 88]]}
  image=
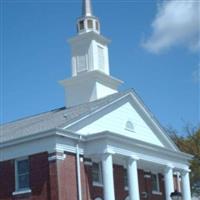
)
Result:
{"points": [[190, 143]]}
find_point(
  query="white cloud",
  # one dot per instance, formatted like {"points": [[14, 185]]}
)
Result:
{"points": [[176, 23]]}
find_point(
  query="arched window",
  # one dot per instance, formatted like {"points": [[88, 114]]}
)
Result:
{"points": [[129, 126]]}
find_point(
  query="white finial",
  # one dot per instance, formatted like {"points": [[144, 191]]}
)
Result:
{"points": [[87, 8]]}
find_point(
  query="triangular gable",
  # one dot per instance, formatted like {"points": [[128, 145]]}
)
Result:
{"points": [[126, 116]]}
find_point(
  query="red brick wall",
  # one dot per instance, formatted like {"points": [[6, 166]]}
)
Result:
{"points": [[120, 192], [142, 186], [67, 178], [53, 181]]}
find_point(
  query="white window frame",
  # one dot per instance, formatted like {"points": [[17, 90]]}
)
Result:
{"points": [[157, 191], [17, 189], [100, 182]]}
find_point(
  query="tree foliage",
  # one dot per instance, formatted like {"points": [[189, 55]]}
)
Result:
{"points": [[191, 144]]}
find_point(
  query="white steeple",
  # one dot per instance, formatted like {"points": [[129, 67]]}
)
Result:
{"points": [[91, 78]]}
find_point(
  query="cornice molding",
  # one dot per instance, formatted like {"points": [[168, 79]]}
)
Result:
{"points": [[58, 140]]}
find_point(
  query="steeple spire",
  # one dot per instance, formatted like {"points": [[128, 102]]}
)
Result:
{"points": [[87, 8]]}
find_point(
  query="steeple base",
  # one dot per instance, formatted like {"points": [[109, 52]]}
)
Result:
{"points": [[88, 87]]}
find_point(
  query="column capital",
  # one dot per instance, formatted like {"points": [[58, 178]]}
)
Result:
{"points": [[108, 151], [132, 158], [168, 167], [185, 171]]}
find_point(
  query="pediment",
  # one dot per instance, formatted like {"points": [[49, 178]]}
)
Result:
{"points": [[128, 117]]}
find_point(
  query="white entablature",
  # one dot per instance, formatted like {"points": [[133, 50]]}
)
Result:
{"points": [[91, 78]]}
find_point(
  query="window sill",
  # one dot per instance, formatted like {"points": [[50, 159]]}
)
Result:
{"points": [[130, 130], [156, 192], [24, 191], [96, 184]]}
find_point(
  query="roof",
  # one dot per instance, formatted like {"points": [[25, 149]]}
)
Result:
{"points": [[57, 118]]}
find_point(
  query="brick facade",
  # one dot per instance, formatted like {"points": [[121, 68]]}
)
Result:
{"points": [[57, 180]]}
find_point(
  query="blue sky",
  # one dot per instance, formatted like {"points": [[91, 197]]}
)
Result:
{"points": [[154, 50]]}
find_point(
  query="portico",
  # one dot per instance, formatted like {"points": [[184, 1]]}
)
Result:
{"points": [[132, 161]]}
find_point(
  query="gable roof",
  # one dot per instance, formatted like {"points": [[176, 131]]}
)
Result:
{"points": [[56, 118]]}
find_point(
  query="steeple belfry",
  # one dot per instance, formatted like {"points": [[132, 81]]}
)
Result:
{"points": [[87, 22], [91, 78], [87, 8]]}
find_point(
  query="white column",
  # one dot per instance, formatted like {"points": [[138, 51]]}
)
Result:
{"points": [[108, 182], [185, 181], [169, 182], [133, 179]]}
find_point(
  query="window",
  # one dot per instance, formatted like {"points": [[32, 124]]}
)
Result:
{"points": [[22, 174], [129, 126], [96, 174], [81, 64], [90, 24], [155, 183], [125, 179], [81, 25]]}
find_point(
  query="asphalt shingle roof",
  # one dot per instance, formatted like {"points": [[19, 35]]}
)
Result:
{"points": [[57, 118]]}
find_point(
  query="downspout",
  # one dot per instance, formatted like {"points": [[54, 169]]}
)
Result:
{"points": [[78, 170]]}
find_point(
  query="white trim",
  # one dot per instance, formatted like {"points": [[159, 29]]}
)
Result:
{"points": [[157, 193], [62, 140], [25, 191], [126, 146], [88, 163], [97, 184], [147, 176], [57, 157]]}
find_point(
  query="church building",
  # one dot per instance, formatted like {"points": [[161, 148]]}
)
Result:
{"points": [[104, 144]]}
